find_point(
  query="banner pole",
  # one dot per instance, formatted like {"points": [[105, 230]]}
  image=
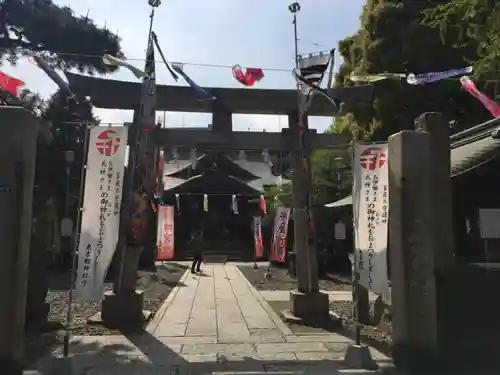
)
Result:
{"points": [[355, 296], [69, 311], [355, 270]]}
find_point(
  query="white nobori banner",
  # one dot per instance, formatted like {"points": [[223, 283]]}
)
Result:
{"points": [[101, 208], [371, 215]]}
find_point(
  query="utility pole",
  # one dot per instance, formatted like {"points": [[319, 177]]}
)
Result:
{"points": [[307, 301]]}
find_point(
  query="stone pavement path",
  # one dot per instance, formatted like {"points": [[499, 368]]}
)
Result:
{"points": [[214, 323]]}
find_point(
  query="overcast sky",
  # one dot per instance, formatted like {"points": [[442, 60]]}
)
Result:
{"points": [[256, 33]]}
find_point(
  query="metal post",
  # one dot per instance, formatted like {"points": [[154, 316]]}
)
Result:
{"points": [[128, 196], [69, 312]]}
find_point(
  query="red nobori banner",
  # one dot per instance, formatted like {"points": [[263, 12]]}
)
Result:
{"points": [[278, 245], [257, 237], [165, 233]]}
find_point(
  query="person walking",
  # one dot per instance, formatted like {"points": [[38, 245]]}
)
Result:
{"points": [[196, 243]]}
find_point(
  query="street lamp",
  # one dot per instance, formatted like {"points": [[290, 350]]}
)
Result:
{"points": [[154, 3], [294, 9]]}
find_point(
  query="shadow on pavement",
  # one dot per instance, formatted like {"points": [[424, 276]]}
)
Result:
{"points": [[147, 355]]}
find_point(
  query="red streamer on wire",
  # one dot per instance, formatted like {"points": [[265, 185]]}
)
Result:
{"points": [[469, 86], [10, 84], [248, 77]]}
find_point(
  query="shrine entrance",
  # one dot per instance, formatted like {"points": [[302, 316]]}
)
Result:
{"points": [[217, 171], [217, 193]]}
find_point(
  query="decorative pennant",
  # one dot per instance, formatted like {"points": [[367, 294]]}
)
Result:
{"points": [[175, 156], [115, 61], [200, 93], [267, 158], [248, 77], [242, 156], [234, 205], [178, 202], [155, 40], [263, 205], [309, 75], [147, 109], [205, 202], [371, 78], [421, 79], [469, 86], [165, 234], [280, 231], [257, 237], [194, 158], [10, 84]]}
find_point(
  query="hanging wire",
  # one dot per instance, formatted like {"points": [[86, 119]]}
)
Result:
{"points": [[94, 56]]}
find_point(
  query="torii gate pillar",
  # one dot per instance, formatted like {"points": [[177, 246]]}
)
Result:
{"points": [[307, 302]]}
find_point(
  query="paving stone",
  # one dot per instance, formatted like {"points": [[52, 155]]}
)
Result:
{"points": [[255, 337], [222, 349], [319, 356], [172, 330], [290, 347], [337, 347], [188, 340], [334, 338], [283, 356]]}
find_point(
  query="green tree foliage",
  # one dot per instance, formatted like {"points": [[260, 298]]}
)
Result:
{"points": [[68, 130], [408, 36], [471, 25], [40, 25]]}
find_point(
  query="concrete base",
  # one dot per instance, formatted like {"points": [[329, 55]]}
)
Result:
{"points": [[359, 357], [309, 305], [332, 320], [123, 310]]}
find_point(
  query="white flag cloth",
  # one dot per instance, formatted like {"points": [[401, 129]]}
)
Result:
{"points": [[178, 202], [101, 209], [234, 205], [205, 202], [370, 211], [114, 61]]}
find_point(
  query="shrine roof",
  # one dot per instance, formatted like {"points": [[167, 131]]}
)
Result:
{"points": [[114, 94], [470, 149]]}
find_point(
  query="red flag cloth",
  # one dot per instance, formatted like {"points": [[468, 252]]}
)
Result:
{"points": [[469, 86], [10, 84], [263, 205], [249, 77], [165, 233]]}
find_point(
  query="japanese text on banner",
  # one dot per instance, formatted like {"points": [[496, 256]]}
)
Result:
{"points": [[101, 208], [371, 209]]}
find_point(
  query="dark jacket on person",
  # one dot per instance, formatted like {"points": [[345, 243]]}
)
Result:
{"points": [[196, 244]]}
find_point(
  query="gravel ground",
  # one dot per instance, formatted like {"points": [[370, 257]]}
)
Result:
{"points": [[380, 337], [281, 280], [156, 290]]}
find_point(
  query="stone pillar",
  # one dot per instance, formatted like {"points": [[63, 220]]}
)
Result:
{"points": [[18, 135], [307, 301], [412, 250], [439, 131], [222, 118]]}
